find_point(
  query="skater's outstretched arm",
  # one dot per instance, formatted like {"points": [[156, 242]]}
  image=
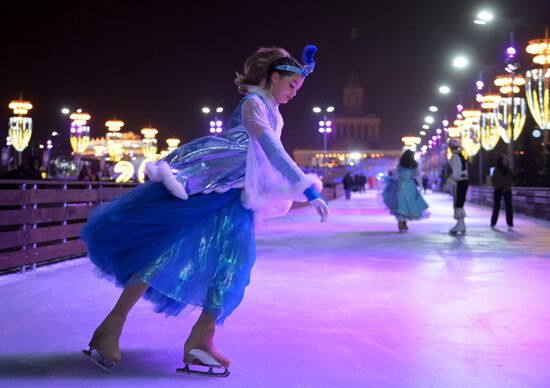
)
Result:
{"points": [[255, 120]]}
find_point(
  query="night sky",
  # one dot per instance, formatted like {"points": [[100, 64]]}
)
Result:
{"points": [[157, 63]]}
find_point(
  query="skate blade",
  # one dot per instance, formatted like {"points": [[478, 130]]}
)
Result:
{"points": [[102, 362], [209, 373]]}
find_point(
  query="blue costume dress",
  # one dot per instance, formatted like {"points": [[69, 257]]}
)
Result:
{"points": [[402, 197], [189, 232]]}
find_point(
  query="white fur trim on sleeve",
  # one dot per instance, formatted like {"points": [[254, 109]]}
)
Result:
{"points": [[308, 181], [161, 172]]}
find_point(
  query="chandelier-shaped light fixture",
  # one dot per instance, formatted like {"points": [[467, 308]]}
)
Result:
{"points": [[537, 87], [470, 135], [80, 132], [172, 144], [511, 109], [115, 148], [20, 127], [453, 131], [410, 142], [149, 147], [488, 124]]}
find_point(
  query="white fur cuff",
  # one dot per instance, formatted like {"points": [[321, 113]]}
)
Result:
{"points": [[161, 172]]}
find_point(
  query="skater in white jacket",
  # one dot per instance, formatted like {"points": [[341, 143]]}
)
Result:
{"points": [[458, 181]]}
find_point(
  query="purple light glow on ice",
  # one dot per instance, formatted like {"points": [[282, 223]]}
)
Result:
{"points": [[382, 308]]}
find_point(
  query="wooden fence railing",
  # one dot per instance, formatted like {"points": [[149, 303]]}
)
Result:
{"points": [[40, 221], [531, 201]]}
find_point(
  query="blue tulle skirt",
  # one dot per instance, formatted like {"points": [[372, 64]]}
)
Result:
{"points": [[195, 252]]}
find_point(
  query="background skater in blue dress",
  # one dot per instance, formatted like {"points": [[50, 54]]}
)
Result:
{"points": [[186, 237], [401, 195]]}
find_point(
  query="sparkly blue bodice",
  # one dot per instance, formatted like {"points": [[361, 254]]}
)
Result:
{"points": [[214, 163]]}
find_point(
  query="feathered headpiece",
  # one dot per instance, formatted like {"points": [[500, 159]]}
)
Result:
{"points": [[307, 61]]}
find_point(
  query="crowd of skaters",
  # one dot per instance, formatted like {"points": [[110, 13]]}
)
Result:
{"points": [[403, 189], [357, 183]]}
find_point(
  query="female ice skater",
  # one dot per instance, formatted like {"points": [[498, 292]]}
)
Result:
{"points": [[186, 237], [401, 195]]}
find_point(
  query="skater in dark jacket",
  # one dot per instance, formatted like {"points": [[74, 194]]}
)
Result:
{"points": [[502, 180]]}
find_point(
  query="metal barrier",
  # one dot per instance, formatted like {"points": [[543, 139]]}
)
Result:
{"points": [[40, 221]]}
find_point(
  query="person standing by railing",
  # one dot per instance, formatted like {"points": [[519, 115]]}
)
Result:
{"points": [[502, 180]]}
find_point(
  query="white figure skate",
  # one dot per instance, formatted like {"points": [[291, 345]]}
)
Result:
{"points": [[202, 359], [96, 357], [460, 227]]}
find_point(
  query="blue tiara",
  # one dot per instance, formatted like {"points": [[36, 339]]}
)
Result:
{"points": [[304, 71], [307, 60]]}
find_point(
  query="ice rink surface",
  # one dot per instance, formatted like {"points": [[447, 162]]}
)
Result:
{"points": [[349, 303]]}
